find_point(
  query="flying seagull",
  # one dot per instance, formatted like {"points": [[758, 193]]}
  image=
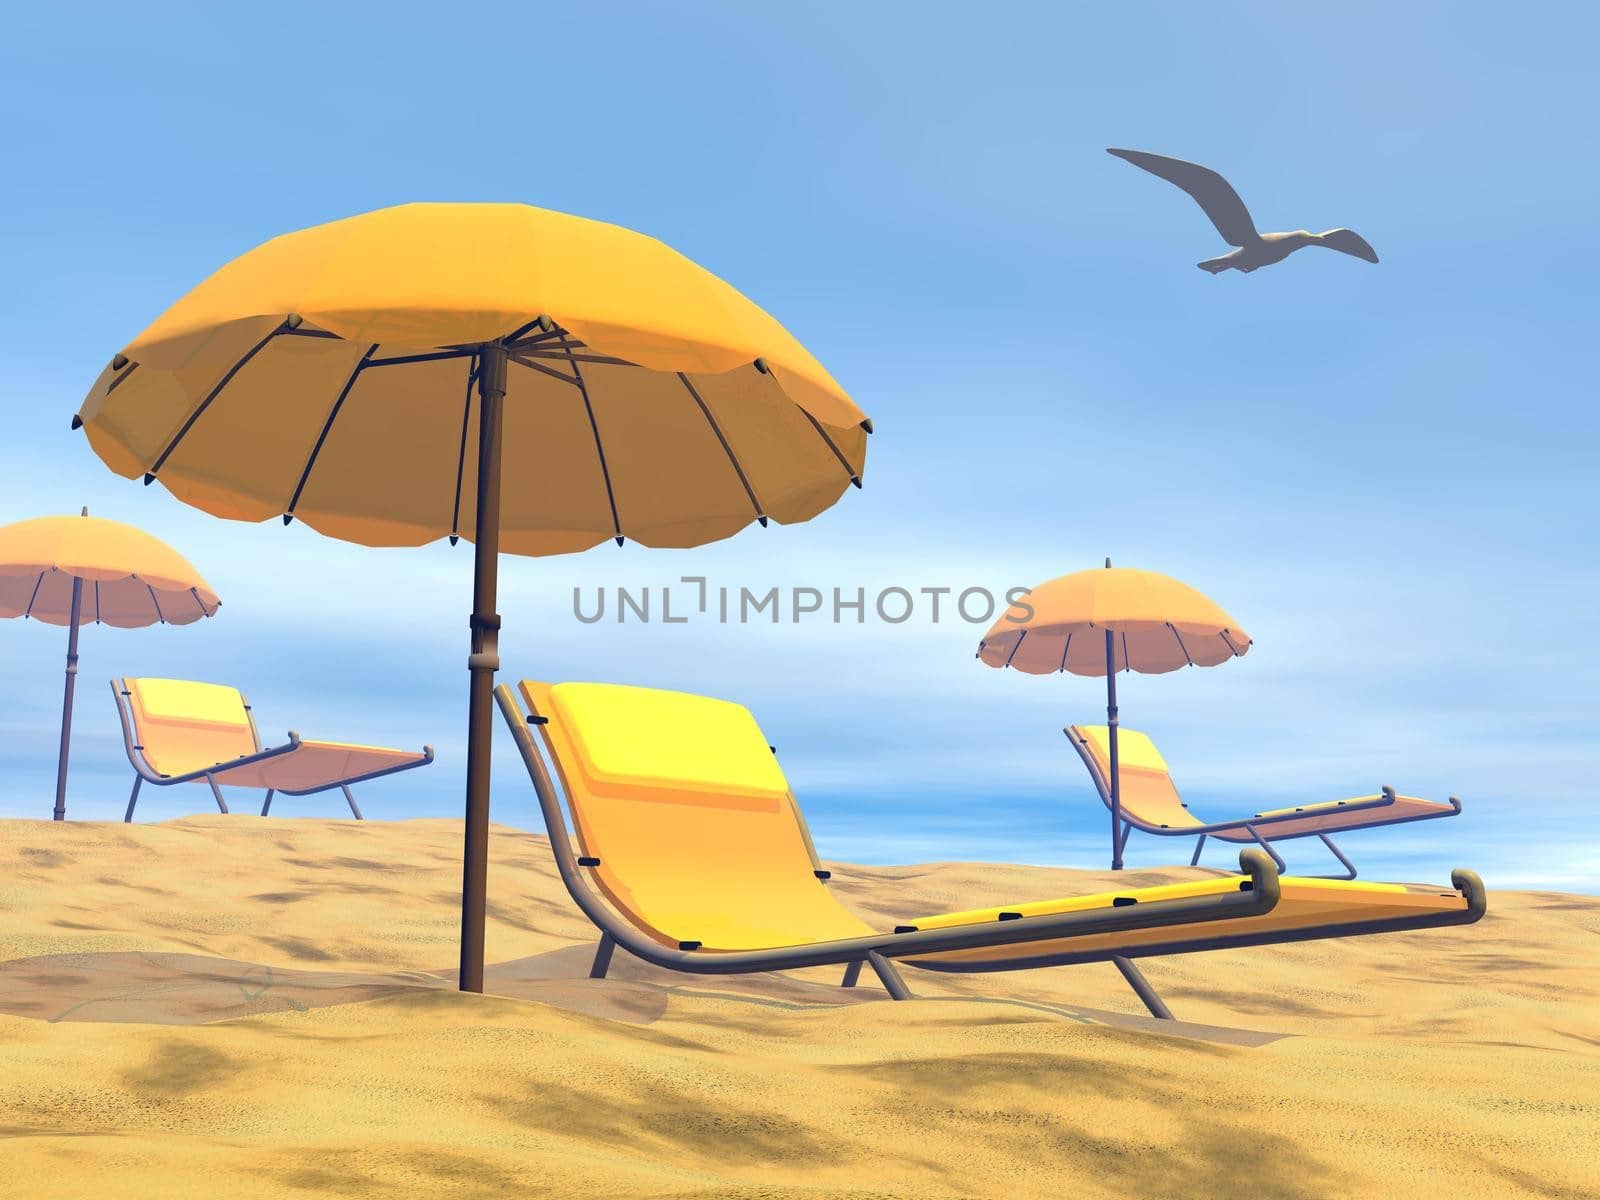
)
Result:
{"points": [[1227, 212]]}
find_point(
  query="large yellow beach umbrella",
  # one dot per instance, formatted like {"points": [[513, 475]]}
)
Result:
{"points": [[1099, 622], [532, 381], [64, 570]]}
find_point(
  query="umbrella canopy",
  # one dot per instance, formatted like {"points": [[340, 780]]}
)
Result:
{"points": [[1099, 622], [529, 380], [126, 577], [67, 570], [328, 376], [1158, 624]]}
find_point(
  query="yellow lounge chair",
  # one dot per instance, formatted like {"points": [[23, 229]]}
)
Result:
{"points": [[1149, 801], [178, 731], [691, 854]]}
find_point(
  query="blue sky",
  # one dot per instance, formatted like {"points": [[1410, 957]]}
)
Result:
{"points": [[1385, 473]]}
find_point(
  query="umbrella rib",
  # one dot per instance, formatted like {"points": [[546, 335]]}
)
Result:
{"points": [[97, 602], [727, 449], [519, 331], [600, 452], [602, 359], [201, 603], [1016, 647], [120, 379], [366, 360], [1065, 647], [210, 396], [461, 459], [516, 341], [1234, 650], [1189, 658], [400, 360], [1127, 663], [533, 366], [837, 453], [302, 331], [156, 600], [28, 612]]}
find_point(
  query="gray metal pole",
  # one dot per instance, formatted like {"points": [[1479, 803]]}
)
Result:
{"points": [[1141, 986], [482, 663], [66, 699], [1116, 774]]}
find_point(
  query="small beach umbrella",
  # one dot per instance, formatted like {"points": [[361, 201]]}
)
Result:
{"points": [[66, 570], [1099, 622], [532, 381]]}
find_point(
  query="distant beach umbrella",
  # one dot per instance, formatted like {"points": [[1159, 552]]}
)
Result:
{"points": [[67, 570], [532, 381], [1099, 622]]}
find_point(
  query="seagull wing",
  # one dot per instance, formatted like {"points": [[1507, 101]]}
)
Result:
{"points": [[1211, 192], [1348, 241]]}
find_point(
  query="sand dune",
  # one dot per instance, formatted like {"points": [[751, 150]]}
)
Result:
{"points": [[242, 1007]]}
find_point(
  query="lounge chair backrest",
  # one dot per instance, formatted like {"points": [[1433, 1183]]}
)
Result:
{"points": [[1149, 797], [182, 726], [684, 804]]}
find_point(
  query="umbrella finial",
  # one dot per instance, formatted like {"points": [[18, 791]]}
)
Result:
{"points": [[1108, 562], [86, 510]]}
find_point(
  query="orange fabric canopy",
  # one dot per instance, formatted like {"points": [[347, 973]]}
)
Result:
{"points": [[1158, 623], [131, 579], [328, 375]]}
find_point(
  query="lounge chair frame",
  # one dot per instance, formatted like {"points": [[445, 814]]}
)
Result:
{"points": [[144, 773], [1251, 825], [1256, 896]]}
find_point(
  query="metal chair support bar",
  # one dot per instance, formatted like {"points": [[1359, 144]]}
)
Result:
{"points": [[1136, 980]]}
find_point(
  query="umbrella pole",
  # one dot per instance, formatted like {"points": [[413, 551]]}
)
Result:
{"points": [[1111, 737], [482, 663], [66, 700]]}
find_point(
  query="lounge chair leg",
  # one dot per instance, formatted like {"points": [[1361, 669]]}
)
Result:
{"points": [[222, 805], [266, 805], [1136, 980], [852, 972], [889, 976], [133, 798], [1350, 867], [602, 956], [1277, 859], [1198, 846], [350, 799]]}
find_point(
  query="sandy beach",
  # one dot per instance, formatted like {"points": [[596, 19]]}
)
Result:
{"points": [[255, 1007]]}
